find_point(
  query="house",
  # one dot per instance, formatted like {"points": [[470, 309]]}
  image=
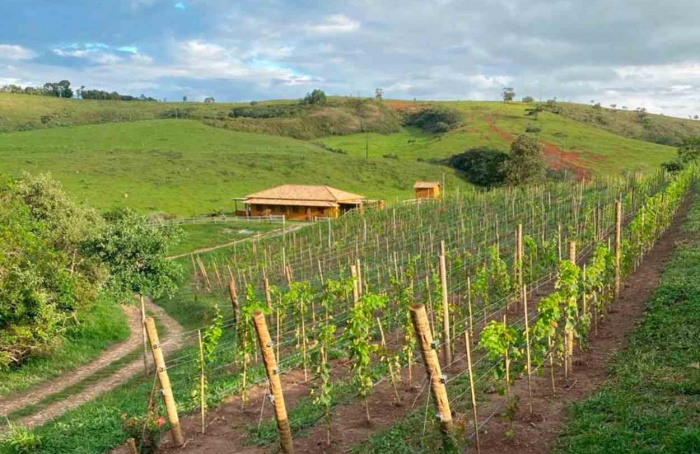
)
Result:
{"points": [[302, 202], [427, 189]]}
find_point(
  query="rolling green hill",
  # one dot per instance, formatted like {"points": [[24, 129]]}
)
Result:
{"points": [[185, 167], [198, 164]]}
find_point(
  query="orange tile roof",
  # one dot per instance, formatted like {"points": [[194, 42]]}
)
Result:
{"points": [[426, 184], [295, 194]]}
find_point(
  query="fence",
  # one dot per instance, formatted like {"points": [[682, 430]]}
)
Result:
{"points": [[223, 219]]}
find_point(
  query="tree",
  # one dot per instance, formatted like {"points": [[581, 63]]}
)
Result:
{"points": [[316, 97], [134, 252], [184, 99], [59, 89], [528, 99], [508, 94], [379, 93], [481, 166], [527, 164], [209, 100], [534, 111], [689, 151]]}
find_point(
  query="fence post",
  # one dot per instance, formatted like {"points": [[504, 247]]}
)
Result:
{"points": [[432, 366], [570, 334], [447, 351], [164, 380], [618, 246], [273, 377]]}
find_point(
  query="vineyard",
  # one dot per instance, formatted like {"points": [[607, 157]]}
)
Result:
{"points": [[477, 290]]}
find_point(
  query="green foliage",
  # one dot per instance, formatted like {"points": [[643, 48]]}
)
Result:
{"points": [[267, 111], [689, 151], [508, 94], [315, 98], [358, 334], [527, 164], [503, 344], [481, 166], [134, 252], [41, 282], [528, 99], [434, 119], [18, 440]]}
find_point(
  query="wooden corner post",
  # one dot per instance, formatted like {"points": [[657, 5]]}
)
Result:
{"points": [[432, 366], [170, 406], [273, 376]]}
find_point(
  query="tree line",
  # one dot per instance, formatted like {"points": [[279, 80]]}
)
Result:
{"points": [[63, 89]]}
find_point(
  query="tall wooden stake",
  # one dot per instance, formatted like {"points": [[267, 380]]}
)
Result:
{"points": [[145, 335], [202, 399], [527, 347], [447, 351], [467, 342], [273, 377], [570, 333], [432, 366], [159, 360], [618, 246]]}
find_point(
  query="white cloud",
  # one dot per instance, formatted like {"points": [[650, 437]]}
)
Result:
{"points": [[336, 23], [15, 52]]}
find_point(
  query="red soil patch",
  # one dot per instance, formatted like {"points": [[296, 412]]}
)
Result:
{"points": [[556, 158], [403, 106]]}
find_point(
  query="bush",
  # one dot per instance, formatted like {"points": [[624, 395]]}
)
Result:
{"points": [[533, 129], [315, 98], [20, 441], [146, 430], [673, 166], [527, 164], [481, 166], [271, 111], [528, 99], [434, 119], [390, 156]]}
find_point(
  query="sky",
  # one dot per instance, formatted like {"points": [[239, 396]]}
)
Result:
{"points": [[634, 53]]}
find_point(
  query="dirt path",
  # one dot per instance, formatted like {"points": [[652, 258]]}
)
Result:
{"points": [[536, 433], [109, 382]]}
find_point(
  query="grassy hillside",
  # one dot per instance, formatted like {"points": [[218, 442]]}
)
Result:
{"points": [[185, 167], [491, 124], [339, 116]]}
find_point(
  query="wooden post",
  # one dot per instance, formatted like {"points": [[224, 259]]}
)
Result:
{"points": [[273, 376], [527, 347], [447, 351], [202, 399], [570, 334], [355, 289], [467, 341], [519, 255], [618, 246], [145, 335], [233, 294], [164, 380], [131, 443], [358, 270], [432, 366]]}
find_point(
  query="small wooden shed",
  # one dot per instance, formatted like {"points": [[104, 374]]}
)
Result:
{"points": [[427, 189]]}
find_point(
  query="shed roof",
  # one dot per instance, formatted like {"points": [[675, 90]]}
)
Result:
{"points": [[307, 195], [426, 184]]}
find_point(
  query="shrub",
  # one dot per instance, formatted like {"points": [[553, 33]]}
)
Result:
{"points": [[434, 119], [528, 99], [481, 166], [272, 111], [146, 430], [533, 129], [316, 98], [20, 441], [527, 164], [390, 156]]}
